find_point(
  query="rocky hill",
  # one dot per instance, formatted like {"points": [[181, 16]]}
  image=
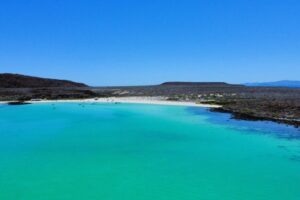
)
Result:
{"points": [[22, 81]]}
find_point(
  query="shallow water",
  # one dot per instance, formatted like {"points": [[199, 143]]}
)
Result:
{"points": [[130, 151]]}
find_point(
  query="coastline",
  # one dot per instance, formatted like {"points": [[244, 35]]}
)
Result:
{"points": [[160, 100], [136, 100]]}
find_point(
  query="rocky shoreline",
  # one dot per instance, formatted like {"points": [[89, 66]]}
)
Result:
{"points": [[240, 115]]}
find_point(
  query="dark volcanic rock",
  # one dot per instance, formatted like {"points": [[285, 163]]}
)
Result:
{"points": [[17, 103], [22, 81], [284, 110]]}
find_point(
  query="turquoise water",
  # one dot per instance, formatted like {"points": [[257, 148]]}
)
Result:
{"points": [[140, 152]]}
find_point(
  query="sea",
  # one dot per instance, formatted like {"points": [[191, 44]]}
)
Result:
{"points": [[108, 151]]}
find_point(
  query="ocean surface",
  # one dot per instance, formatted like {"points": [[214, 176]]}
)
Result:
{"points": [[107, 151]]}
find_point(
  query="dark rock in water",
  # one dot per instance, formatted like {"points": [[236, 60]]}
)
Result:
{"points": [[17, 103], [295, 158]]}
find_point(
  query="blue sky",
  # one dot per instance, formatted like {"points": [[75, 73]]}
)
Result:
{"points": [[132, 42]]}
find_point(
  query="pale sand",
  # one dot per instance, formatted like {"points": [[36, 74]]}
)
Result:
{"points": [[138, 100]]}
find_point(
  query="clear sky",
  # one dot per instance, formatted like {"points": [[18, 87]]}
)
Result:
{"points": [[132, 42]]}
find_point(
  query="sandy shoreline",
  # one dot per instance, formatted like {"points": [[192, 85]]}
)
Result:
{"points": [[138, 100]]}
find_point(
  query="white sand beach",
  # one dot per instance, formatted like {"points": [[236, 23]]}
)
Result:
{"points": [[139, 100]]}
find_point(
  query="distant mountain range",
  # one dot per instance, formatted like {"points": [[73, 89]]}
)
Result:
{"points": [[284, 83], [21, 81], [199, 84]]}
